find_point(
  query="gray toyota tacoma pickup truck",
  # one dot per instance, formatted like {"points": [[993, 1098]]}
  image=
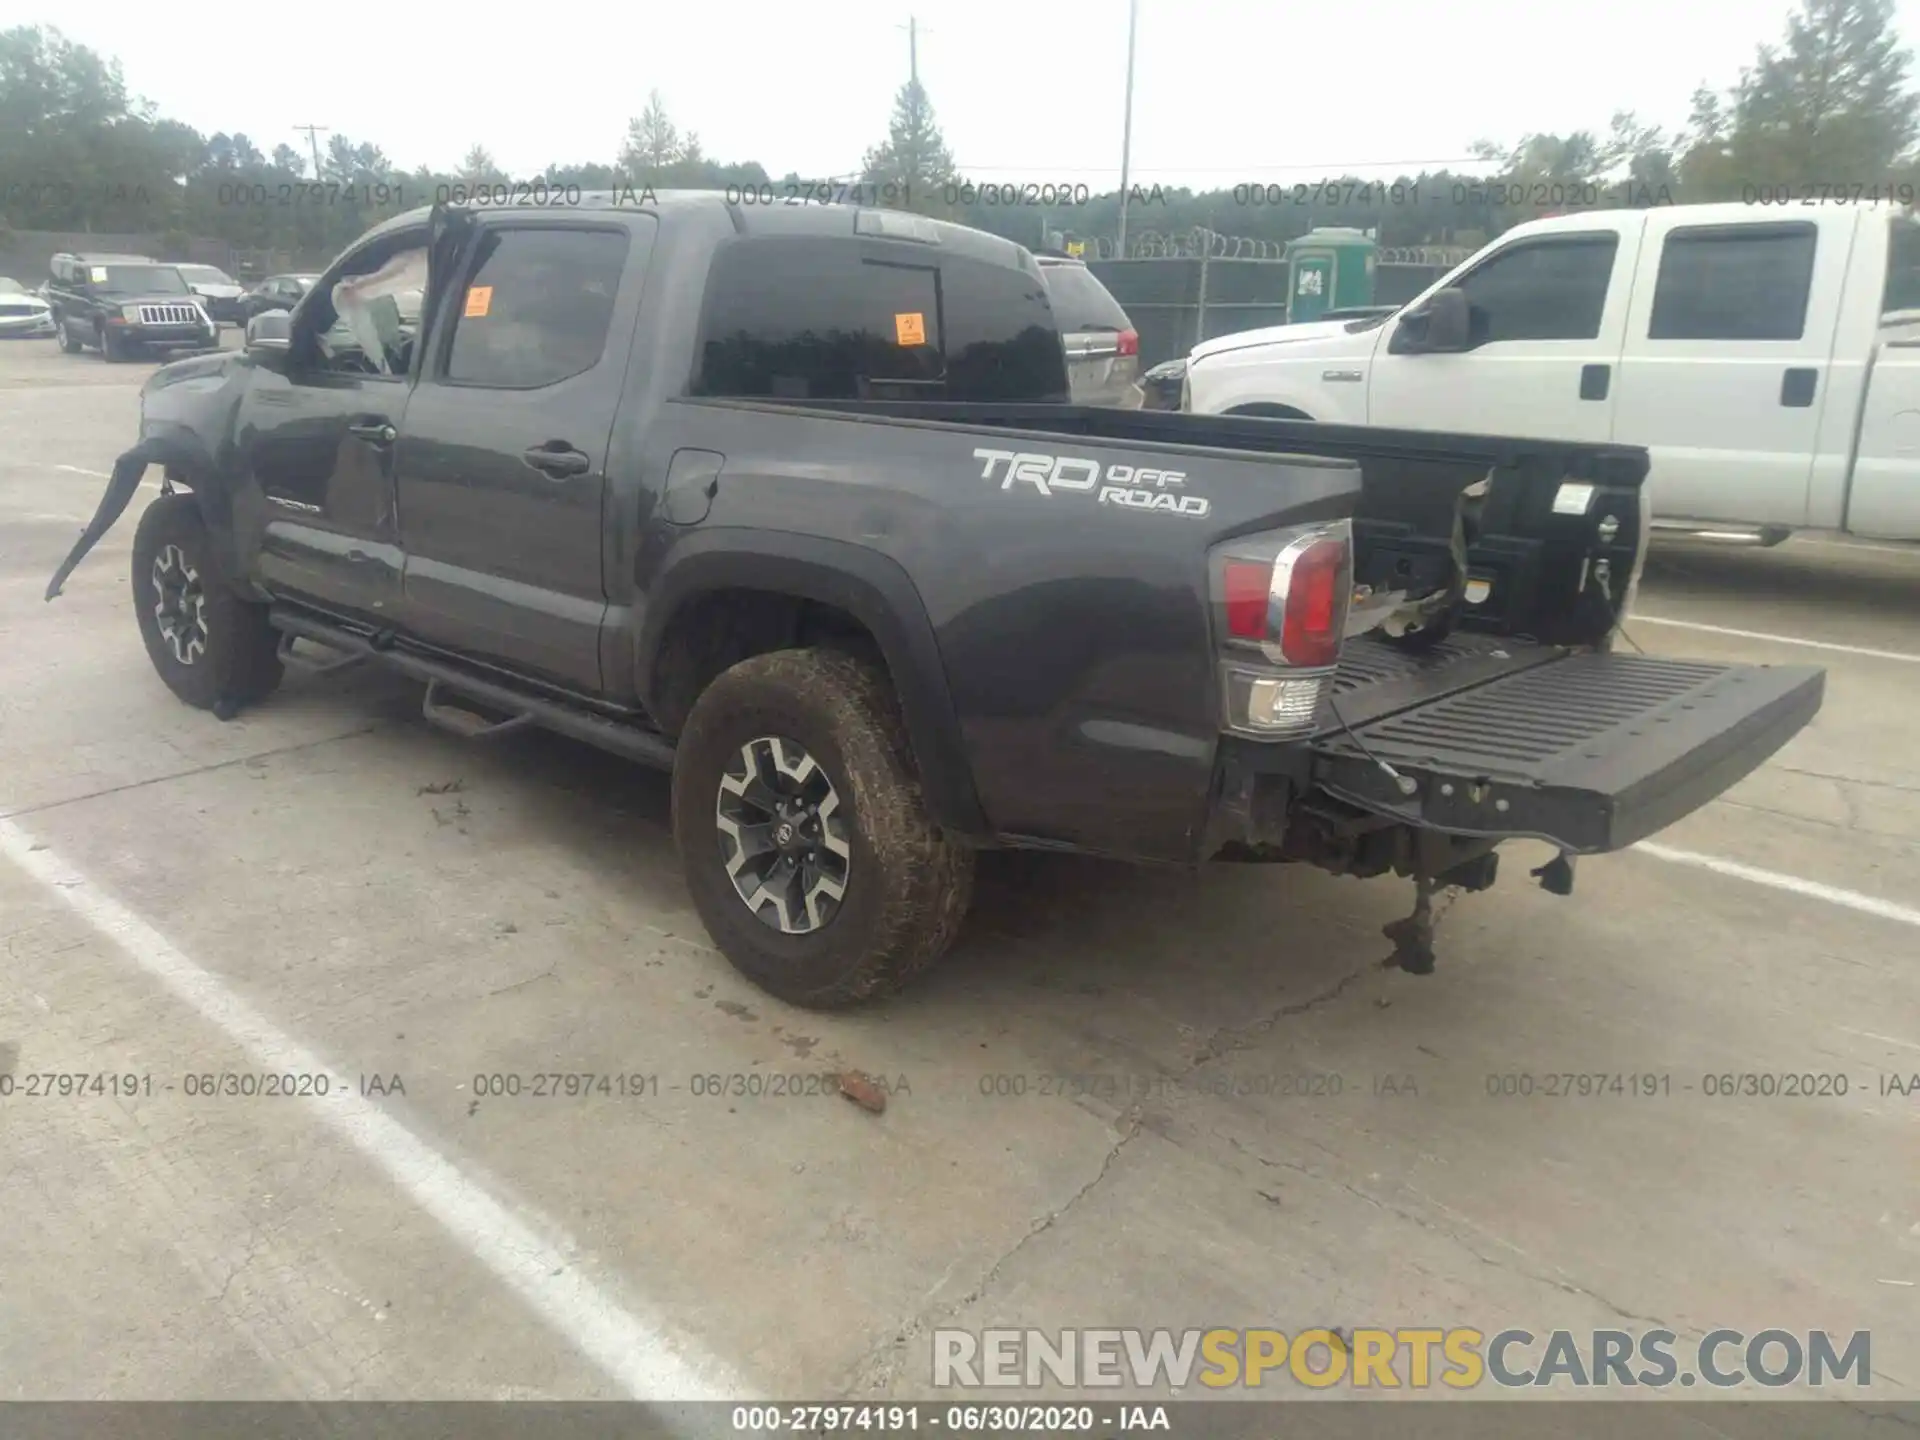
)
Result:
{"points": [[793, 502]]}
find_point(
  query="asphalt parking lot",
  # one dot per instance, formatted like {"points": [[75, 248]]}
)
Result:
{"points": [[327, 883]]}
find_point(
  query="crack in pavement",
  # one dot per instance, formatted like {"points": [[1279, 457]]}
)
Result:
{"points": [[876, 1367], [45, 805], [1452, 1234], [1850, 780], [1229, 1039]]}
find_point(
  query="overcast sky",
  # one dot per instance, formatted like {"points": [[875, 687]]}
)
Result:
{"points": [[1225, 90]]}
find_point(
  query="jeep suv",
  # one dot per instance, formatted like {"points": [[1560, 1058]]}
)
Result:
{"points": [[124, 305]]}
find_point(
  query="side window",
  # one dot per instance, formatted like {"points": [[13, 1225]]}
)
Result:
{"points": [[358, 324], [804, 318], [1734, 282], [1902, 290], [536, 308], [1549, 289], [825, 318], [1003, 340]]}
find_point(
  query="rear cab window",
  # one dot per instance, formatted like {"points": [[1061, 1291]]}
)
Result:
{"points": [[813, 317]]}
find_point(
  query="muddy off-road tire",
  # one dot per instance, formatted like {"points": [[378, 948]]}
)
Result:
{"points": [[213, 649], [807, 747]]}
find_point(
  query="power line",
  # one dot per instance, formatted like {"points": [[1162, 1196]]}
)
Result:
{"points": [[1322, 166]]}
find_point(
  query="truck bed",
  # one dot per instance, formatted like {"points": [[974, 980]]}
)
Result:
{"points": [[1590, 751], [1534, 555]]}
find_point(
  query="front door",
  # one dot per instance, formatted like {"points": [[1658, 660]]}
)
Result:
{"points": [[1726, 368], [1547, 315], [319, 447], [501, 464], [316, 437]]}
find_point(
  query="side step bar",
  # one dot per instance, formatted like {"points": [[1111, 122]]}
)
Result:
{"points": [[520, 708], [468, 725]]}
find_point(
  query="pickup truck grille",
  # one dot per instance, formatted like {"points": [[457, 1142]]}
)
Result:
{"points": [[168, 315]]}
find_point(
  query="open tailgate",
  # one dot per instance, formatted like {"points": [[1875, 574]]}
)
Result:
{"points": [[1589, 751]]}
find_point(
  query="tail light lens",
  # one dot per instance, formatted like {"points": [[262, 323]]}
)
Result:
{"points": [[1249, 591], [1129, 342], [1318, 582], [1283, 599]]}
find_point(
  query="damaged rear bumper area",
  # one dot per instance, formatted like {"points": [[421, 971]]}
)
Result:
{"points": [[1422, 765]]}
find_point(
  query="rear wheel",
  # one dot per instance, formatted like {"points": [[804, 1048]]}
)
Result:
{"points": [[213, 649], [803, 835]]}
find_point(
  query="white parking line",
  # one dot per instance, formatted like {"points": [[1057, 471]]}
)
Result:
{"points": [[1910, 551], [636, 1353], [1793, 884], [1638, 619]]}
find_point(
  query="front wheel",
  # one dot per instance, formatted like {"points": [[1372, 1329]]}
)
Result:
{"points": [[213, 649], [69, 342], [803, 835]]}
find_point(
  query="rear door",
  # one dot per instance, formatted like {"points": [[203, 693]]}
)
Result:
{"points": [[1727, 363], [501, 462], [1882, 489], [1548, 312]]}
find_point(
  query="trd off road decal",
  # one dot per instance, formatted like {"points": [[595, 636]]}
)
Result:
{"points": [[1128, 485]]}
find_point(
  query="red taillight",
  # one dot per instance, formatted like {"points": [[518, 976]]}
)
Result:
{"points": [[1129, 342], [1248, 584], [1314, 614]]}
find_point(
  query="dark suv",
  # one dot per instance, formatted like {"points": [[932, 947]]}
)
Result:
{"points": [[122, 305]]}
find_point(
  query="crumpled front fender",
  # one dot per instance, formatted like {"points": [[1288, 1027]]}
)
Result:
{"points": [[121, 486]]}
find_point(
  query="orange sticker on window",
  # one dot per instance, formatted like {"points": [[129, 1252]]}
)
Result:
{"points": [[910, 329], [479, 301]]}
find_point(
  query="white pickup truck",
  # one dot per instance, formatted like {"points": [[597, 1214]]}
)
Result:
{"points": [[1767, 356]]}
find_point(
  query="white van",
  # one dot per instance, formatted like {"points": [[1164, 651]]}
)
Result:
{"points": [[1767, 355]]}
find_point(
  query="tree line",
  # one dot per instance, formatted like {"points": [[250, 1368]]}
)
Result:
{"points": [[1826, 110]]}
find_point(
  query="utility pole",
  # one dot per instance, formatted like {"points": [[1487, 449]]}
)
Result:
{"points": [[912, 27], [313, 143], [1126, 130]]}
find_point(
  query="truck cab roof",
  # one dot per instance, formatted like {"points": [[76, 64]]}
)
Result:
{"points": [[812, 218]]}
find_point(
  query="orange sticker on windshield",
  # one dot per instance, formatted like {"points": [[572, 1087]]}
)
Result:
{"points": [[910, 329], [479, 301]]}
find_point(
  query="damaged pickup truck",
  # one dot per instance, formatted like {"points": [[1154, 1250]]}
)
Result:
{"points": [[793, 503]]}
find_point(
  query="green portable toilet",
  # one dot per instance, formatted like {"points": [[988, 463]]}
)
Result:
{"points": [[1328, 268]]}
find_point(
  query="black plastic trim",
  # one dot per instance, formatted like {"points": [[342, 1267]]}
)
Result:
{"points": [[869, 586]]}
